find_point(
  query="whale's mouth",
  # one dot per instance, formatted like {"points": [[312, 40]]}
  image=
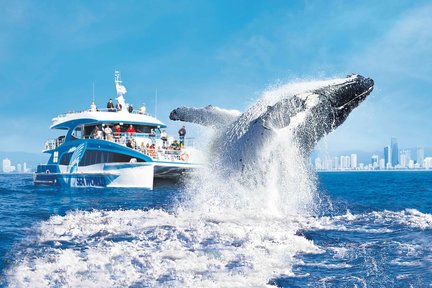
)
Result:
{"points": [[350, 94], [357, 99]]}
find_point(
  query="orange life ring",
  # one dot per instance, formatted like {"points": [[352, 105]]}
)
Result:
{"points": [[184, 156]]}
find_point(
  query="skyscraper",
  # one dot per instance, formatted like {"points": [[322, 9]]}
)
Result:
{"points": [[336, 163], [420, 156], [403, 159], [374, 161], [387, 156], [6, 165], [353, 161], [394, 152]]}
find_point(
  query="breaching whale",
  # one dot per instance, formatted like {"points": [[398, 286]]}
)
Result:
{"points": [[308, 110]]}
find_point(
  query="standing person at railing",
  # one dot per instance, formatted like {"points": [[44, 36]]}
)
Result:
{"points": [[182, 134], [93, 107], [164, 138], [108, 133], [110, 106], [152, 135], [119, 106], [117, 133]]}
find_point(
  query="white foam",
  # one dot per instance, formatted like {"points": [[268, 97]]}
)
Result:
{"points": [[124, 248], [372, 222]]}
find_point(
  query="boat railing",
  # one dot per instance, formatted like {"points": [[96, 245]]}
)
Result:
{"points": [[123, 137], [158, 150], [113, 110], [52, 144]]}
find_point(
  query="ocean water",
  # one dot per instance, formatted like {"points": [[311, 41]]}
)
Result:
{"points": [[365, 229]]}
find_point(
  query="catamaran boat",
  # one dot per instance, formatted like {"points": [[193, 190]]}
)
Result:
{"points": [[113, 147]]}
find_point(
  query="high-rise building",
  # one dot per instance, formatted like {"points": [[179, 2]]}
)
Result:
{"points": [[403, 159], [7, 166], [387, 156], [353, 161], [427, 163], [19, 168], [374, 161], [382, 164], [345, 162], [411, 164], [394, 152], [336, 163], [420, 156], [25, 170]]}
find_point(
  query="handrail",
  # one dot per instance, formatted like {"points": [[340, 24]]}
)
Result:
{"points": [[102, 110], [168, 153]]}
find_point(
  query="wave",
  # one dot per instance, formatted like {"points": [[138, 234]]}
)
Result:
{"points": [[156, 248]]}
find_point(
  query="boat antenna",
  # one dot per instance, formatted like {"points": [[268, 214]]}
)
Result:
{"points": [[156, 94], [93, 92]]}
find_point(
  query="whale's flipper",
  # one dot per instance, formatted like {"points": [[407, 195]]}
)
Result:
{"points": [[209, 116]]}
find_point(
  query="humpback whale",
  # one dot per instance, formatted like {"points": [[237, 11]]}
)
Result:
{"points": [[305, 111]]}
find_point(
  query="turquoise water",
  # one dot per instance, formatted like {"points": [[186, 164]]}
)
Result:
{"points": [[373, 229]]}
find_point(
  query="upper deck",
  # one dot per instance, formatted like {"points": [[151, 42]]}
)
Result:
{"points": [[71, 120]]}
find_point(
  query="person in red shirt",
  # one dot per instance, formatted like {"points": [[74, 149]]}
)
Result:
{"points": [[131, 130], [117, 133]]}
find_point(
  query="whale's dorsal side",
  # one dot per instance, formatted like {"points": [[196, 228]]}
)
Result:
{"points": [[209, 116]]}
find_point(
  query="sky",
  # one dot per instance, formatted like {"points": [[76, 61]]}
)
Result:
{"points": [[224, 53]]}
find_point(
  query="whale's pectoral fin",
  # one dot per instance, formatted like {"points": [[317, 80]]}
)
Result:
{"points": [[209, 116], [279, 115]]}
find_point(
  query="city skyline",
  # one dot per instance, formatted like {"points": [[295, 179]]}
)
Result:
{"points": [[7, 167], [392, 158]]}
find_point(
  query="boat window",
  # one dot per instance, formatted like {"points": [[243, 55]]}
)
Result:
{"points": [[77, 133], [65, 159], [95, 157]]}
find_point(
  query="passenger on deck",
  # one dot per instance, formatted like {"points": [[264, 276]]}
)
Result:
{"points": [[151, 151], [182, 134], [117, 133], [108, 133], [142, 148], [110, 106], [164, 138], [130, 108], [131, 130], [131, 143], [152, 135], [93, 107], [97, 133], [175, 145], [118, 106]]}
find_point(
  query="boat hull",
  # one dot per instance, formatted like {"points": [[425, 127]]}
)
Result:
{"points": [[126, 175]]}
